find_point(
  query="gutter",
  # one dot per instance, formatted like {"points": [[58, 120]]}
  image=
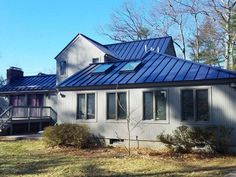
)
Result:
{"points": [[150, 85]]}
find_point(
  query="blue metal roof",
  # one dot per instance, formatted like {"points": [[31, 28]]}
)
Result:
{"points": [[31, 83], [130, 50], [136, 49], [155, 68]]}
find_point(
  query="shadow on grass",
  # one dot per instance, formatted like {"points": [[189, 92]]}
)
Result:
{"points": [[30, 165], [94, 170], [40, 164]]}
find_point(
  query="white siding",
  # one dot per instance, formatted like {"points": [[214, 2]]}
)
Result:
{"points": [[78, 55]]}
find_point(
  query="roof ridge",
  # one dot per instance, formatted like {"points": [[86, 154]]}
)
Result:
{"points": [[44, 75], [137, 40], [92, 40]]}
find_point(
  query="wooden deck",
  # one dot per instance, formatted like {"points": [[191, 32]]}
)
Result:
{"points": [[23, 119]]}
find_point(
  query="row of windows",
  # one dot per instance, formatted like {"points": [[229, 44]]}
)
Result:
{"points": [[194, 105]]}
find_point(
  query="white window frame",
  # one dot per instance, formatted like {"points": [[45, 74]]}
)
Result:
{"points": [[194, 120], [86, 112], [154, 119], [116, 109]]}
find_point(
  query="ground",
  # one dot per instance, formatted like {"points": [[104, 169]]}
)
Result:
{"points": [[32, 158]]}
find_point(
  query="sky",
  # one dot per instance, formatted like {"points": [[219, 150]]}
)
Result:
{"points": [[33, 32]]}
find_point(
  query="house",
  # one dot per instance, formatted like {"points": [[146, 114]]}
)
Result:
{"points": [[104, 85]]}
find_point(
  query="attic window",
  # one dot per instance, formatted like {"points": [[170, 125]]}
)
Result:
{"points": [[63, 68], [102, 68], [95, 60], [130, 66]]}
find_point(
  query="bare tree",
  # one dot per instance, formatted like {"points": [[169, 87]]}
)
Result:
{"points": [[2, 81], [180, 19], [169, 17], [126, 24], [195, 10], [131, 123], [222, 11]]}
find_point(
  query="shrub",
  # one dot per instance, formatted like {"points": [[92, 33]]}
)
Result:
{"points": [[184, 139], [69, 135], [179, 141], [217, 138]]}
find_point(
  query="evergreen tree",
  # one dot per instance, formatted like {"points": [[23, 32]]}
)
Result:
{"points": [[210, 49]]}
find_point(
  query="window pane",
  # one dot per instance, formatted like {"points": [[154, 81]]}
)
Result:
{"points": [[81, 106], [122, 107], [187, 104], [90, 106], [62, 68], [95, 60], [202, 106], [147, 105], [111, 106], [160, 97], [102, 68], [131, 66]]}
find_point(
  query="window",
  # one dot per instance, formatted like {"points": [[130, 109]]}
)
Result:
{"points": [[116, 105], [130, 66], [187, 105], [154, 105], [202, 107], [86, 106], [63, 68], [95, 60], [103, 68], [195, 105]]}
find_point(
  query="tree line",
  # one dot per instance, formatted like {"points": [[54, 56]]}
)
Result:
{"points": [[202, 30]]}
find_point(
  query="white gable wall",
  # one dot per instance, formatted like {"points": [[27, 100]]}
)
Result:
{"points": [[77, 55]]}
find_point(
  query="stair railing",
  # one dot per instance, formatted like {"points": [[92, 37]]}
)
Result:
{"points": [[6, 117]]}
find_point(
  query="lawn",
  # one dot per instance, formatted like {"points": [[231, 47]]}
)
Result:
{"points": [[32, 158]]}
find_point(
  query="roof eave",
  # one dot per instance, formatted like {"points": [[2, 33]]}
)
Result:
{"points": [[150, 85], [27, 91]]}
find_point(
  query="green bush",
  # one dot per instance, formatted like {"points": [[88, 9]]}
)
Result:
{"points": [[184, 139], [69, 135]]}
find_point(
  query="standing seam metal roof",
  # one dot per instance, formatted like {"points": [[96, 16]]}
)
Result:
{"points": [[155, 68], [136, 49], [31, 83]]}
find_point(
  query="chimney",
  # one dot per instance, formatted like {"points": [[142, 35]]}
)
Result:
{"points": [[14, 73]]}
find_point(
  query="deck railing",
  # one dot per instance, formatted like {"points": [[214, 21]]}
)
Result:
{"points": [[33, 112], [28, 113]]}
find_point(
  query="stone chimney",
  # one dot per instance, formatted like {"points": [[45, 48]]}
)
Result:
{"points": [[14, 73]]}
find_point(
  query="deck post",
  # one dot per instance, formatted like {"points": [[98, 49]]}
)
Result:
{"points": [[40, 123], [11, 129], [28, 115]]}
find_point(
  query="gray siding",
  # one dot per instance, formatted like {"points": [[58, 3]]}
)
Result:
{"points": [[222, 101]]}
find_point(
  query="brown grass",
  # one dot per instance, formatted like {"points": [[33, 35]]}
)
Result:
{"points": [[32, 158]]}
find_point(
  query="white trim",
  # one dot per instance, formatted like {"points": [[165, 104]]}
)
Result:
{"points": [[154, 120], [195, 121], [127, 106], [96, 107]]}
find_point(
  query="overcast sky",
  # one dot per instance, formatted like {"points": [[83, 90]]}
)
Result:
{"points": [[33, 32]]}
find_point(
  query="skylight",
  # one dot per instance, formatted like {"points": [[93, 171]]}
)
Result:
{"points": [[102, 68], [130, 66]]}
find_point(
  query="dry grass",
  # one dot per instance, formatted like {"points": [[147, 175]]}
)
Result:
{"points": [[31, 158]]}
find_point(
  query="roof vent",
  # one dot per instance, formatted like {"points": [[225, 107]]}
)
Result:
{"points": [[146, 49]]}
